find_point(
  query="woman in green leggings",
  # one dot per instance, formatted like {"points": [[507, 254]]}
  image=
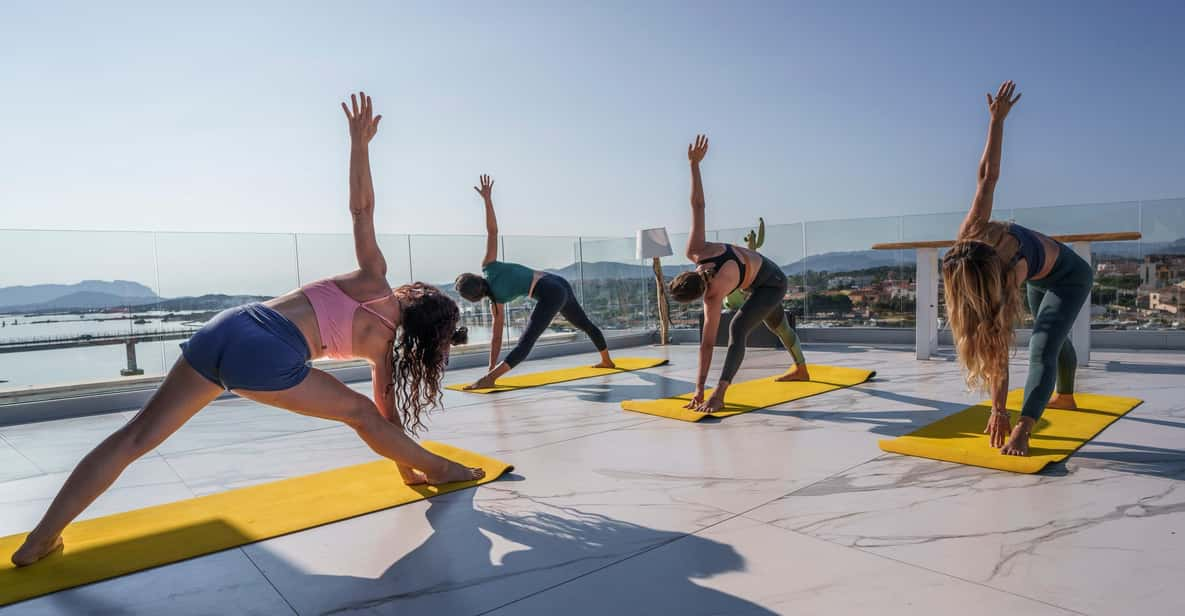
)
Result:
{"points": [[983, 272]]}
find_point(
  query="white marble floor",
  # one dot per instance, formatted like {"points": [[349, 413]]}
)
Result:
{"points": [[789, 510]]}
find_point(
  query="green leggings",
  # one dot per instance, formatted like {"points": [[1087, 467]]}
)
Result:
{"points": [[1054, 302]]}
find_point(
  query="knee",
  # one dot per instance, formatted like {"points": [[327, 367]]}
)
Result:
{"points": [[361, 415]]}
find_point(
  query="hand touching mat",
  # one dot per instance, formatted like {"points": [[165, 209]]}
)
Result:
{"points": [[1059, 433], [752, 395]]}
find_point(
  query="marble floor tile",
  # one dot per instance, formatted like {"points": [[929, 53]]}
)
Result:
{"points": [[1065, 538], [223, 583], [744, 567], [57, 446], [146, 482], [14, 464]]}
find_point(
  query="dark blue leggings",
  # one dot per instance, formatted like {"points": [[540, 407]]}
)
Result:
{"points": [[1054, 302], [553, 295]]}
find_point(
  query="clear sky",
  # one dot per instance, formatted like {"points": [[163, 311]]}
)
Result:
{"points": [[224, 116]]}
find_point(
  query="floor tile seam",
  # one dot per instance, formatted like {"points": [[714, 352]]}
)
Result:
{"points": [[184, 452], [580, 436], [268, 580], [40, 471], [915, 566]]}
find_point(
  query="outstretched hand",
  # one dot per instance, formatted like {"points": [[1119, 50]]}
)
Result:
{"points": [[1002, 104], [486, 190], [360, 115], [698, 150]]}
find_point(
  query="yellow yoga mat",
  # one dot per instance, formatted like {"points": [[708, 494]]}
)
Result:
{"points": [[1059, 433], [752, 395], [511, 383], [115, 545]]}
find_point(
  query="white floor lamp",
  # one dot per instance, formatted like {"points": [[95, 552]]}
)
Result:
{"points": [[654, 244]]}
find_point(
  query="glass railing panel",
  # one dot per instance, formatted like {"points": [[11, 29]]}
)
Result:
{"points": [[849, 283], [321, 255], [555, 255], [618, 290], [70, 304], [439, 259], [1158, 300], [202, 274]]}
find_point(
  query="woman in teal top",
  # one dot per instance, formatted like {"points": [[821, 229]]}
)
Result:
{"points": [[506, 282]]}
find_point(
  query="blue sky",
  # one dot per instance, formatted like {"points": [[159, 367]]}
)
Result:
{"points": [[216, 117]]}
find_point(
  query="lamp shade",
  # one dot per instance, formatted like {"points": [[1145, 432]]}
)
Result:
{"points": [[654, 243]]}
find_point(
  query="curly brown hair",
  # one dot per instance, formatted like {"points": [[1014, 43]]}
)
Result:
{"points": [[420, 353]]}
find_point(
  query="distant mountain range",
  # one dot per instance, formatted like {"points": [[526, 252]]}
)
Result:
{"points": [[88, 294], [104, 294]]}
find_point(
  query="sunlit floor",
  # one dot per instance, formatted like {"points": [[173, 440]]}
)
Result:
{"points": [[789, 510]]}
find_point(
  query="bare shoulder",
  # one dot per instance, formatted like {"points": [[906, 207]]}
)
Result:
{"points": [[362, 286]]}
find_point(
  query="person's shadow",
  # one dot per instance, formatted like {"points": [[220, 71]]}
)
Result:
{"points": [[480, 559], [654, 386]]}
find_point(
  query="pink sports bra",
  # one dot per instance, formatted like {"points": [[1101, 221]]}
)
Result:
{"points": [[335, 316]]}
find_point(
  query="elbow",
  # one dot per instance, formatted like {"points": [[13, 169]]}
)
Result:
{"points": [[989, 175]]}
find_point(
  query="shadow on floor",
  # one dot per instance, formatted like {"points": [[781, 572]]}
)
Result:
{"points": [[656, 386], [894, 422], [1121, 366], [478, 560], [1139, 459]]}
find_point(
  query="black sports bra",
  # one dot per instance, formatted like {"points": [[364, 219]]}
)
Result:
{"points": [[719, 260]]}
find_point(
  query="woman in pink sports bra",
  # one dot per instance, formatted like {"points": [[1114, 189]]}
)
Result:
{"points": [[261, 352]]}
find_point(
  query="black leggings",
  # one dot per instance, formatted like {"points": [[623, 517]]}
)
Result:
{"points": [[554, 296], [764, 305]]}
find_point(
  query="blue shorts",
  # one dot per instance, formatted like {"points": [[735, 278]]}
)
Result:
{"points": [[249, 347]]}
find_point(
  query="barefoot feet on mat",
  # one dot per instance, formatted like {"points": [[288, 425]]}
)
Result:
{"points": [[1018, 442], [795, 373], [32, 552], [453, 473], [1063, 401]]}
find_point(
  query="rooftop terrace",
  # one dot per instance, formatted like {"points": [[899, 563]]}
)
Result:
{"points": [[793, 509]]}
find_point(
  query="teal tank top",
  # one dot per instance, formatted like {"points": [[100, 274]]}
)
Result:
{"points": [[508, 281]]}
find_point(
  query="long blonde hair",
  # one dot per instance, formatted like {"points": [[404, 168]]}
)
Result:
{"points": [[983, 306]]}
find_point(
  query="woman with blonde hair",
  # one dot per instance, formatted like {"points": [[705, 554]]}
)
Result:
{"points": [[983, 272]]}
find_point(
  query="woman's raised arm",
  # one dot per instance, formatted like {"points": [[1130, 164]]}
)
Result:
{"points": [[363, 126], [486, 190], [697, 238], [989, 164]]}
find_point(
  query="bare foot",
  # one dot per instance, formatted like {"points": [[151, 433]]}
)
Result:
{"points": [[485, 382], [608, 363], [454, 473], [712, 405], [1063, 401], [1018, 442], [30, 553], [795, 373], [415, 478]]}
